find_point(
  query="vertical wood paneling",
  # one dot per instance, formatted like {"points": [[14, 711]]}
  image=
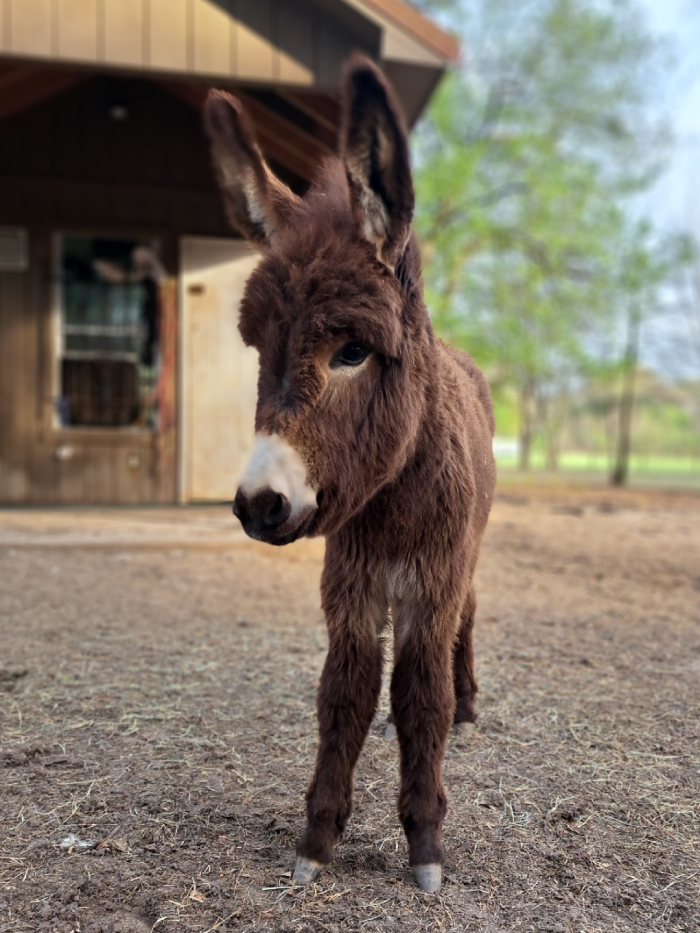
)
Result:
{"points": [[70, 472], [77, 29], [168, 34], [147, 491], [164, 464], [30, 363], [5, 390], [220, 376], [128, 479], [31, 27], [124, 31], [97, 477], [295, 36], [290, 41], [25, 398], [334, 48], [88, 483], [41, 301], [212, 38], [16, 414], [255, 52]]}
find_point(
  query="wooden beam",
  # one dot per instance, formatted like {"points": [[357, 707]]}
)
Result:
{"points": [[298, 144], [322, 107], [307, 120], [278, 136], [192, 94], [24, 86], [299, 149], [424, 30]]}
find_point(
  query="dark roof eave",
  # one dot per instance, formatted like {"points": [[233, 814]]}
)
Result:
{"points": [[442, 43]]}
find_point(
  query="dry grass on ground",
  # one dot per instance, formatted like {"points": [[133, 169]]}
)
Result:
{"points": [[158, 732]]}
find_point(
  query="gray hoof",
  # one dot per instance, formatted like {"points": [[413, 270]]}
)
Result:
{"points": [[306, 870], [390, 732], [463, 728], [429, 877]]}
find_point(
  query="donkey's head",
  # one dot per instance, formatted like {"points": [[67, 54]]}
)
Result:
{"points": [[335, 312]]}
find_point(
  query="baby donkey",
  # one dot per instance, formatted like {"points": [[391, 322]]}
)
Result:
{"points": [[371, 432]]}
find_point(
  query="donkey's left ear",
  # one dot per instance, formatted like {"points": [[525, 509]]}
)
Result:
{"points": [[375, 152], [257, 203]]}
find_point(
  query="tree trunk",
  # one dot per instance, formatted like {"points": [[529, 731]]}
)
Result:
{"points": [[552, 450], [551, 418], [620, 472]]}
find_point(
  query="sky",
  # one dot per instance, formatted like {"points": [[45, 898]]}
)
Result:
{"points": [[675, 201], [676, 198]]}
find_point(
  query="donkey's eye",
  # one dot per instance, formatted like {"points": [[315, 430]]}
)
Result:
{"points": [[352, 354]]}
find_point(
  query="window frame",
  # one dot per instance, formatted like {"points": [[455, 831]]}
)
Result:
{"points": [[58, 237]]}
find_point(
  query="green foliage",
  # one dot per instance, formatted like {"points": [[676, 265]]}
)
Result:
{"points": [[505, 406], [526, 164], [666, 417]]}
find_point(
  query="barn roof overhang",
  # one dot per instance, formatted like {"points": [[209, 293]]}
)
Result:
{"points": [[283, 57]]}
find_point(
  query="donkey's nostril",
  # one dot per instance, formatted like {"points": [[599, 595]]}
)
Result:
{"points": [[261, 512], [276, 508], [278, 511]]}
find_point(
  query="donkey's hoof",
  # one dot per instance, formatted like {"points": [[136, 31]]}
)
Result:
{"points": [[429, 877], [390, 732], [306, 870], [463, 728]]}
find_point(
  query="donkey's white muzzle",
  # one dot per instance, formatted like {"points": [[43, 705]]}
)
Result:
{"points": [[274, 501]]}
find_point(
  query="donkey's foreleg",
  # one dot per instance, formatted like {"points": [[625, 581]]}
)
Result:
{"points": [[422, 702], [464, 679], [347, 700]]}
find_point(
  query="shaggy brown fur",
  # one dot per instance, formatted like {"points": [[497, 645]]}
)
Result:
{"points": [[397, 448]]}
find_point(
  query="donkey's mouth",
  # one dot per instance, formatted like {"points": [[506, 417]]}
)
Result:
{"points": [[303, 525], [268, 516]]}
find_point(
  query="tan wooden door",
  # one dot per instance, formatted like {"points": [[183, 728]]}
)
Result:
{"points": [[219, 374]]}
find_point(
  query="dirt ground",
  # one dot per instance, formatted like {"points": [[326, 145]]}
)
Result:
{"points": [[157, 684]]}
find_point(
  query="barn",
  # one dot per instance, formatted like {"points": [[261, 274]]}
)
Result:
{"points": [[122, 375]]}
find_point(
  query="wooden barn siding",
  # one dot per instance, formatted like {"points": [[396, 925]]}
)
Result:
{"points": [[66, 166], [289, 42]]}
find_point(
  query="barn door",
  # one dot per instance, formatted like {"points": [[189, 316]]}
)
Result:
{"points": [[219, 374]]}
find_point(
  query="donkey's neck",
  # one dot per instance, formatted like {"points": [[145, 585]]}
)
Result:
{"points": [[409, 497]]}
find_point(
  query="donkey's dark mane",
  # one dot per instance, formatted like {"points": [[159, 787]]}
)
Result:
{"points": [[325, 214], [326, 205]]}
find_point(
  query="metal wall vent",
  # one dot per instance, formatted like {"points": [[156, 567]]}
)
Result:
{"points": [[14, 249]]}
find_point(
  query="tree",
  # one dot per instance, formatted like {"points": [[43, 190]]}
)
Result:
{"points": [[521, 163], [647, 263]]}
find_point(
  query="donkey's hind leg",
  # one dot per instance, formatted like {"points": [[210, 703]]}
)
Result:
{"points": [[347, 700], [465, 686], [463, 665], [422, 703]]}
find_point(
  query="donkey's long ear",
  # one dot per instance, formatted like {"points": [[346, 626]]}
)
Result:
{"points": [[257, 203], [375, 152]]}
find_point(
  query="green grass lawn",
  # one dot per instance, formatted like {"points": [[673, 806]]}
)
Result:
{"points": [[644, 469]]}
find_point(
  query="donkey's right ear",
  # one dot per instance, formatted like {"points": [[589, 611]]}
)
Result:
{"points": [[257, 203], [375, 151]]}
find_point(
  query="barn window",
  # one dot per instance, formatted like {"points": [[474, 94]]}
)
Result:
{"points": [[109, 331]]}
